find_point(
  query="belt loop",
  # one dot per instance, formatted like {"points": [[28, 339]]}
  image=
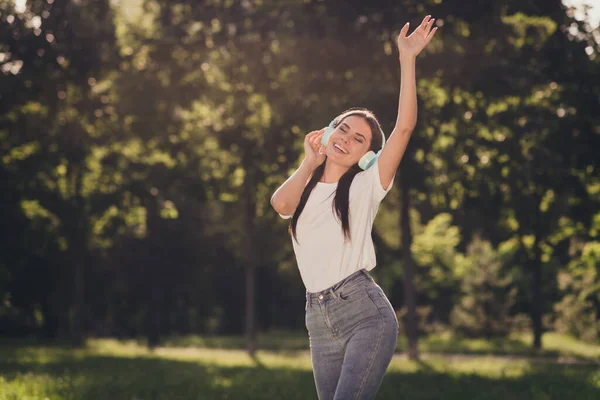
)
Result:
{"points": [[308, 305], [334, 294], [365, 273]]}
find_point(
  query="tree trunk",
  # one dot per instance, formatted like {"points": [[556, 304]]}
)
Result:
{"points": [[153, 278], [410, 293], [154, 313], [78, 250], [251, 345], [77, 335], [250, 263], [536, 288]]}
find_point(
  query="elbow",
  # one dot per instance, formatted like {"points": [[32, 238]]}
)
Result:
{"points": [[282, 207], [274, 203]]}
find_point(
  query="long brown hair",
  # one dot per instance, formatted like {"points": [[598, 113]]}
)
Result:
{"points": [[342, 193]]}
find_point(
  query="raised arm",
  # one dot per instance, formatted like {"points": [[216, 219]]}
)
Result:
{"points": [[409, 47], [286, 198]]}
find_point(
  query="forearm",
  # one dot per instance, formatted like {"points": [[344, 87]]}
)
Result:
{"points": [[405, 123], [407, 104], [286, 198]]}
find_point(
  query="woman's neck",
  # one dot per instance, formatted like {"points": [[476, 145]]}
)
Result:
{"points": [[333, 172]]}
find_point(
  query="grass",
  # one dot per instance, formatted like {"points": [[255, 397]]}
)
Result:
{"points": [[518, 344], [111, 369]]}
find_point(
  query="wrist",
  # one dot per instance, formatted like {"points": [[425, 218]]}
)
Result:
{"points": [[407, 58], [309, 165]]}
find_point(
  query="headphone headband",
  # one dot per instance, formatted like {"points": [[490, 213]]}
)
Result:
{"points": [[340, 117]]}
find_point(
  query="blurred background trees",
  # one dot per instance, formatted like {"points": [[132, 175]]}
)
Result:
{"points": [[140, 142]]}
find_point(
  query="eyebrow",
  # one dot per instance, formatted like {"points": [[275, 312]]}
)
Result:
{"points": [[359, 134]]}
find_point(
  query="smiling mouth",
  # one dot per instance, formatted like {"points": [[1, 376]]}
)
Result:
{"points": [[340, 149]]}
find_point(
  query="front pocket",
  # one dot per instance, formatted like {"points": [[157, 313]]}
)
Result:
{"points": [[352, 294]]}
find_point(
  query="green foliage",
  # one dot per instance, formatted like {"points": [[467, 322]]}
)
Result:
{"points": [[487, 294], [435, 246], [140, 142], [442, 267], [578, 312]]}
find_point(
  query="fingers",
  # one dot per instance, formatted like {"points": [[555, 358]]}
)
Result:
{"points": [[430, 35], [314, 139], [425, 28], [424, 24], [428, 26], [310, 138], [404, 30], [315, 133], [425, 21]]}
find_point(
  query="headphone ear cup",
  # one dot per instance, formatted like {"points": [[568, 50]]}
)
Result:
{"points": [[368, 159], [326, 135]]}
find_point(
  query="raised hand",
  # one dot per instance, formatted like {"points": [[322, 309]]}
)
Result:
{"points": [[314, 153], [412, 45]]}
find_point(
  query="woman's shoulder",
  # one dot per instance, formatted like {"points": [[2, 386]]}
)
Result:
{"points": [[370, 182], [363, 177]]}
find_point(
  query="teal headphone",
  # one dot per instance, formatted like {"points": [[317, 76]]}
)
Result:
{"points": [[365, 161]]}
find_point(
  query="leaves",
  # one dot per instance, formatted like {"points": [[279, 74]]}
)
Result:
{"points": [[149, 138]]}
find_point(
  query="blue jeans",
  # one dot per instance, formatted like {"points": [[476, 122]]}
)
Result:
{"points": [[352, 329]]}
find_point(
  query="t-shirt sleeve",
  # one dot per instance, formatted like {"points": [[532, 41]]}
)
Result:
{"points": [[372, 182]]}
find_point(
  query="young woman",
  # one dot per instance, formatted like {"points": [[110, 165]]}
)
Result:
{"points": [[332, 200]]}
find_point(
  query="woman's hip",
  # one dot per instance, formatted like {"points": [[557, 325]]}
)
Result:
{"points": [[356, 304]]}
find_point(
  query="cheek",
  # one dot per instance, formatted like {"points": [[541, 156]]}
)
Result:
{"points": [[360, 149]]}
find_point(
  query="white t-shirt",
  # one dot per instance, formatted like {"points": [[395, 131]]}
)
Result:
{"points": [[323, 257]]}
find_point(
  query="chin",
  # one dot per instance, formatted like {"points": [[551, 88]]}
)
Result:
{"points": [[341, 160], [344, 163]]}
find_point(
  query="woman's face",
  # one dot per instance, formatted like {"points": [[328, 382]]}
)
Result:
{"points": [[350, 140]]}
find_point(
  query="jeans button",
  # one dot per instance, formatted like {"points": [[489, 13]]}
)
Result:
{"points": [[321, 297]]}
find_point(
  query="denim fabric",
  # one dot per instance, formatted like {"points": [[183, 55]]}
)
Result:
{"points": [[352, 329]]}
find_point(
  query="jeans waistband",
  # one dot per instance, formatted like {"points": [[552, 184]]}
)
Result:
{"points": [[354, 278]]}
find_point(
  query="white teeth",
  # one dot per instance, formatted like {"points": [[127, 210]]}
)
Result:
{"points": [[344, 151]]}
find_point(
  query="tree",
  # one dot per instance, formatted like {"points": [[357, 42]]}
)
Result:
{"points": [[60, 121], [488, 293]]}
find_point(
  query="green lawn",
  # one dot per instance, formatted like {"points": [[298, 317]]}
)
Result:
{"points": [[555, 345], [109, 369]]}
